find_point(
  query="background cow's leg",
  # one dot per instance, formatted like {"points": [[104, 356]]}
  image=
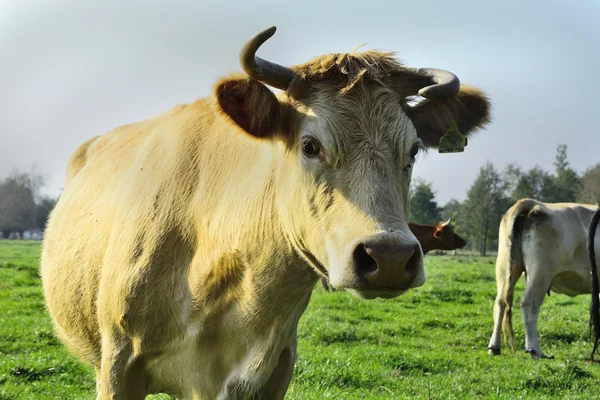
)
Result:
{"points": [[499, 307], [508, 272], [533, 297], [503, 304]]}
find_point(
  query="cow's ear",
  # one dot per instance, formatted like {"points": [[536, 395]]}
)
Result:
{"points": [[470, 109], [250, 104], [437, 234]]}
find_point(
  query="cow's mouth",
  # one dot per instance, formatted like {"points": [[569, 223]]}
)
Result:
{"points": [[369, 294]]}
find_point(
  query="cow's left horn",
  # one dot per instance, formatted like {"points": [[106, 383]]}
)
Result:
{"points": [[445, 223], [262, 70], [446, 84]]}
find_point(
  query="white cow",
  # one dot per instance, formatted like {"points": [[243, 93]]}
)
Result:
{"points": [[547, 242]]}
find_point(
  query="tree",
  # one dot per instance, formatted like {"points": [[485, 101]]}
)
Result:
{"points": [[482, 210], [560, 161], [452, 210], [33, 180], [512, 176], [565, 185], [535, 183], [17, 207], [589, 191], [42, 212], [423, 207], [19, 194]]}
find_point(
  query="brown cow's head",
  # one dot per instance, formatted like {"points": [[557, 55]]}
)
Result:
{"points": [[446, 238], [346, 142]]}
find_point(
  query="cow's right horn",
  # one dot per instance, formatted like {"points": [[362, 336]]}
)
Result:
{"points": [[262, 70]]}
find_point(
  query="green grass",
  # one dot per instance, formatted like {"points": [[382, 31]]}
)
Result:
{"points": [[429, 343]]}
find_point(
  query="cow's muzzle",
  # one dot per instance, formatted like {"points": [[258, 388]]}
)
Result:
{"points": [[384, 265]]}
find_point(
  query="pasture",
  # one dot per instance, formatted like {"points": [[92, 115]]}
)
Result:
{"points": [[427, 344]]}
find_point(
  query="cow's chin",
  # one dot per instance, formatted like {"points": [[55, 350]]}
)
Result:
{"points": [[369, 294]]}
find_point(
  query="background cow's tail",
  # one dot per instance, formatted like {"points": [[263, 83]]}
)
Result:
{"points": [[595, 307], [515, 221]]}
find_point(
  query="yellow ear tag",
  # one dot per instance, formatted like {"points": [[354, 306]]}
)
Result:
{"points": [[453, 141]]}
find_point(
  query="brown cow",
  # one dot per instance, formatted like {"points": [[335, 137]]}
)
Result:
{"points": [[437, 237], [430, 237], [185, 248]]}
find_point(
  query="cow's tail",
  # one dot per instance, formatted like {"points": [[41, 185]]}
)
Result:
{"points": [[515, 221], [595, 306]]}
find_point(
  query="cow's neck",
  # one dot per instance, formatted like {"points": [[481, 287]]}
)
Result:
{"points": [[254, 272]]}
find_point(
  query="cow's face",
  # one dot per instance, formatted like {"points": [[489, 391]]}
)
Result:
{"points": [[447, 239], [346, 152], [350, 166]]}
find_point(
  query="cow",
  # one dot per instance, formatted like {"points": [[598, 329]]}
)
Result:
{"points": [[437, 237], [185, 247], [547, 243], [430, 237]]}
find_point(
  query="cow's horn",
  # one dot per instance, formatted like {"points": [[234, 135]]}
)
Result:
{"points": [[446, 84], [262, 70], [445, 223]]}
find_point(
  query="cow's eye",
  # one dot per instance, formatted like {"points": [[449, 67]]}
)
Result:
{"points": [[311, 148], [413, 151]]}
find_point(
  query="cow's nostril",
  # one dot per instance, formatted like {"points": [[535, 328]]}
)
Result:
{"points": [[365, 264], [412, 266]]}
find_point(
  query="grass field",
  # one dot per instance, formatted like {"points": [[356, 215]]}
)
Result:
{"points": [[428, 344]]}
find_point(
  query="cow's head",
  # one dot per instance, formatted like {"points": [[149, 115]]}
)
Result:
{"points": [[446, 238], [347, 139]]}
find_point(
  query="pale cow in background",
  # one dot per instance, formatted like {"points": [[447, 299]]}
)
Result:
{"points": [[547, 242], [185, 248]]}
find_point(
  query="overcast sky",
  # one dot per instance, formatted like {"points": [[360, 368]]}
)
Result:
{"points": [[70, 70]]}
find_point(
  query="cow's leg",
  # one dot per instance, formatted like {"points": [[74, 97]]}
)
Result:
{"points": [[116, 352], [279, 381], [98, 388], [508, 273], [122, 375], [499, 307], [533, 297], [502, 305], [276, 385]]}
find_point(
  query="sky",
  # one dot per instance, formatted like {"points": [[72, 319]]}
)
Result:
{"points": [[71, 70]]}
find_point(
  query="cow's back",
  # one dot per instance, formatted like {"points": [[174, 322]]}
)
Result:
{"points": [[115, 140], [125, 175]]}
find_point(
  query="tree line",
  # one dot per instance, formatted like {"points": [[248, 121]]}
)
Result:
{"points": [[493, 192], [22, 207]]}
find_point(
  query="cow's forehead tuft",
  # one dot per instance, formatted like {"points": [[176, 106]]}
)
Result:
{"points": [[345, 70]]}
